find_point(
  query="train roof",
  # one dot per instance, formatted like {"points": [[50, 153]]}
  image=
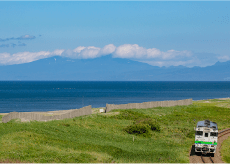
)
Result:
{"points": [[207, 123]]}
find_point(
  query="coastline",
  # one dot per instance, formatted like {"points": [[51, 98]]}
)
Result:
{"points": [[58, 112], [3, 114]]}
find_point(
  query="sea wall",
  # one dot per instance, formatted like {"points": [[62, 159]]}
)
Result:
{"points": [[145, 105], [28, 116]]}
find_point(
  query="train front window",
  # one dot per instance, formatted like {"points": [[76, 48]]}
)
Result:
{"points": [[206, 134], [213, 134], [200, 133]]}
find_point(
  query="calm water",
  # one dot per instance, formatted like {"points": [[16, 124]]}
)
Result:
{"points": [[44, 96]]}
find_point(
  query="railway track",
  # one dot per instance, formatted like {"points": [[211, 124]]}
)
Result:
{"points": [[208, 159], [223, 132], [205, 159]]}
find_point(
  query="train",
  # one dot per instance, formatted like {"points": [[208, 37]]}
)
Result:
{"points": [[206, 137]]}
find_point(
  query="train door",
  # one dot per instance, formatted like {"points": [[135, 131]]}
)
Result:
{"points": [[206, 136]]}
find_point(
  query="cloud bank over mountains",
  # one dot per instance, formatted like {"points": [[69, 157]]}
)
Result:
{"points": [[152, 56], [26, 57], [89, 52]]}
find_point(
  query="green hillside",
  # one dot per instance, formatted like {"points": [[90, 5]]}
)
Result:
{"points": [[157, 135]]}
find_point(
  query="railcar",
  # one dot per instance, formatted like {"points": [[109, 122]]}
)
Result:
{"points": [[206, 137]]}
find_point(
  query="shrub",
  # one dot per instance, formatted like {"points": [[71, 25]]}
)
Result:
{"points": [[142, 125], [154, 126], [139, 129]]}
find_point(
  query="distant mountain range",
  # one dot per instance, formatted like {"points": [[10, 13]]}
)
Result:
{"points": [[107, 68]]}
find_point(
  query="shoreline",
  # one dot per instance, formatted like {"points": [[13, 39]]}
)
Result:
{"points": [[3, 114], [58, 112], [55, 112]]}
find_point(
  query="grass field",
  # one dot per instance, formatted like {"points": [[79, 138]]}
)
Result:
{"points": [[105, 138], [225, 151]]}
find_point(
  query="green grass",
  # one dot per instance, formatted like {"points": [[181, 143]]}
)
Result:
{"points": [[103, 138], [1, 118], [225, 150]]}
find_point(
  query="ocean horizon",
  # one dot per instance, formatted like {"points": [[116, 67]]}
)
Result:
{"points": [[30, 96]]}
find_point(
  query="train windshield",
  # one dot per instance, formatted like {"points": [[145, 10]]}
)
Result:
{"points": [[199, 133], [214, 134]]}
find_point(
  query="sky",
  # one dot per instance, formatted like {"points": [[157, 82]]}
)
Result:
{"points": [[159, 33]]}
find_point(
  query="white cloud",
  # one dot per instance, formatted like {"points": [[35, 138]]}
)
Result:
{"points": [[130, 51], [89, 52], [170, 54], [152, 56], [82, 52], [57, 52], [124, 51], [78, 49], [108, 49], [78, 53], [135, 51], [26, 57], [153, 53], [26, 37], [223, 58], [187, 63], [23, 37]]}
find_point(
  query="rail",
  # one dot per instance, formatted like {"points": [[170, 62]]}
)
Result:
{"points": [[209, 159], [206, 159]]}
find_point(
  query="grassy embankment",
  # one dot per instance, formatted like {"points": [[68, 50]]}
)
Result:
{"points": [[225, 151], [102, 137]]}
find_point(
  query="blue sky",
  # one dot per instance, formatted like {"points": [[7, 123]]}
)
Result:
{"points": [[157, 33]]}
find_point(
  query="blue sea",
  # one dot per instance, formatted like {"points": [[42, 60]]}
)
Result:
{"points": [[27, 96]]}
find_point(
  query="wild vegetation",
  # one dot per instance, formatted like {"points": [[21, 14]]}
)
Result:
{"points": [[225, 150], [157, 135]]}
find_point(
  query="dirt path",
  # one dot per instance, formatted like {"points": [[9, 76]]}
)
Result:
{"points": [[216, 159]]}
